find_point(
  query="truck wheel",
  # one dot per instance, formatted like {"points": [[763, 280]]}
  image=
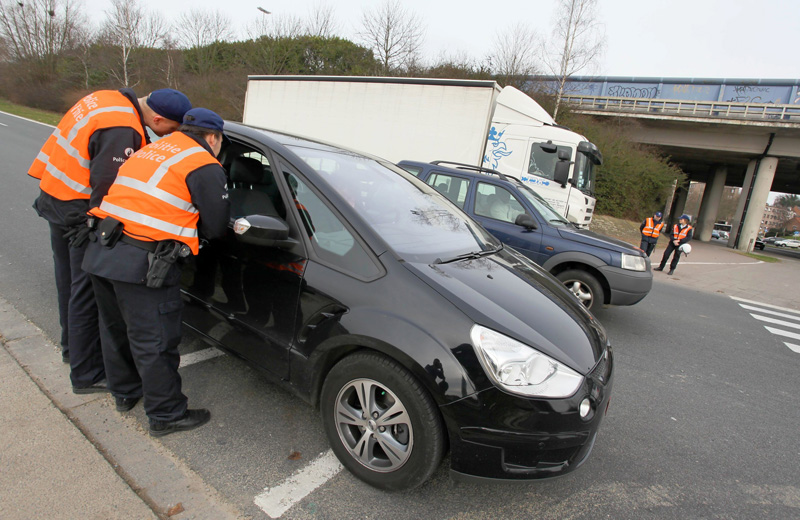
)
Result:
{"points": [[381, 423], [585, 286]]}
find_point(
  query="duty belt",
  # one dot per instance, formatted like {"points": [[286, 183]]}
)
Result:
{"points": [[147, 245]]}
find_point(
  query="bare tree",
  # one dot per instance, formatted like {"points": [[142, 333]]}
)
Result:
{"points": [[199, 28], [513, 56], [394, 34], [321, 21], [130, 27], [281, 26], [39, 32], [578, 41]]}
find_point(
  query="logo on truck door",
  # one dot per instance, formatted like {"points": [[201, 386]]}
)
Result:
{"points": [[498, 149]]}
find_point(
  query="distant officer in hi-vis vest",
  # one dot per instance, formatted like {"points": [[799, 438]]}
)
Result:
{"points": [[681, 235], [76, 165], [165, 196], [651, 228]]}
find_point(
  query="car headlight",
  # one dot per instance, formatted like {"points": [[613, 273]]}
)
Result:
{"points": [[521, 369], [633, 263]]}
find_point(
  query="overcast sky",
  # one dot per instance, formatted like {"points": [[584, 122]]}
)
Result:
{"points": [[653, 38]]}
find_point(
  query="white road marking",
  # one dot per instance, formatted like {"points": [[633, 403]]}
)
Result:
{"points": [[765, 305], [766, 311], [200, 355], [276, 501], [3, 124], [776, 322], [793, 347], [780, 332], [26, 119], [723, 263]]}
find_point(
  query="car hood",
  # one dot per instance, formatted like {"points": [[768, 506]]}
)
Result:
{"points": [[508, 293], [584, 236]]}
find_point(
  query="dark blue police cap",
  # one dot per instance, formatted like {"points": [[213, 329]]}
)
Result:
{"points": [[205, 118], [169, 103]]}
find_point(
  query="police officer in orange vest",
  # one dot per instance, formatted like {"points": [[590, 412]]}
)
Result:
{"points": [[651, 228], [76, 165], [165, 196], [681, 234]]}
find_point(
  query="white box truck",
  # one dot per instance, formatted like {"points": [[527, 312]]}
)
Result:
{"points": [[464, 121]]}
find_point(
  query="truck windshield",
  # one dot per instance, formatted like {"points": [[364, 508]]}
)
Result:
{"points": [[584, 174], [416, 221], [542, 207]]}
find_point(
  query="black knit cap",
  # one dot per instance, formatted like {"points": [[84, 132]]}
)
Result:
{"points": [[169, 103]]}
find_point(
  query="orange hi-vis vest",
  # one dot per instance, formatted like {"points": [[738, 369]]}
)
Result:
{"points": [[651, 229], [150, 196], [63, 162], [680, 234]]}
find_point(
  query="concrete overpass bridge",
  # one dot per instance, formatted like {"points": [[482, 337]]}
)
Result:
{"points": [[734, 132]]}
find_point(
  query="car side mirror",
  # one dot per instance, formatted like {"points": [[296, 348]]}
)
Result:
{"points": [[263, 230], [526, 221], [561, 172]]}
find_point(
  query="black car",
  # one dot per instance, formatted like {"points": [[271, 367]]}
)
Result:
{"points": [[759, 244], [363, 290], [596, 268]]}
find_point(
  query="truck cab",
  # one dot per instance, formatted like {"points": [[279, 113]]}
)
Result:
{"points": [[597, 269]]}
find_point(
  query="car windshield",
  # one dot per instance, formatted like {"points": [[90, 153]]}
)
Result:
{"points": [[415, 220], [539, 204]]}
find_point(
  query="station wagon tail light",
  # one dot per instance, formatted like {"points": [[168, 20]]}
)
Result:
{"points": [[633, 263], [520, 369]]}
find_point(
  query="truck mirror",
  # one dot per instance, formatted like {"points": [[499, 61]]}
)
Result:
{"points": [[564, 155], [561, 173], [548, 147], [526, 221]]}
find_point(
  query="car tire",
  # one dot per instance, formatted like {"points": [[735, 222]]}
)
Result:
{"points": [[584, 286], [410, 447]]}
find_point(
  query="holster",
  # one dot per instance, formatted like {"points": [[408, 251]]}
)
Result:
{"points": [[167, 253]]}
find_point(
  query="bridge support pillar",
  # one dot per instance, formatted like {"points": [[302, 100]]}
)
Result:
{"points": [[749, 212], [712, 196], [678, 205]]}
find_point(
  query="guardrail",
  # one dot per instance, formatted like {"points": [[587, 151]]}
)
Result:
{"points": [[676, 107]]}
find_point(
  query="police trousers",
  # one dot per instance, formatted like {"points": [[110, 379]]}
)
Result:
{"points": [[140, 331], [671, 247], [77, 311], [647, 246]]}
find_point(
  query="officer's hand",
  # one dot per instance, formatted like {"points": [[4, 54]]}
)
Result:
{"points": [[78, 235]]}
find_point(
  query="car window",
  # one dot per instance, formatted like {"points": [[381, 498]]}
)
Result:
{"points": [[413, 170], [330, 238], [251, 185], [454, 188], [540, 205], [497, 202], [411, 217], [543, 163]]}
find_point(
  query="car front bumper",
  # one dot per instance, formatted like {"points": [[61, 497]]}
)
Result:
{"points": [[627, 287], [498, 435]]}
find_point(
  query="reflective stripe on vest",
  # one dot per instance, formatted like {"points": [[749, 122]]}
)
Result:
{"points": [[150, 196], [680, 234], [650, 229], [63, 163]]}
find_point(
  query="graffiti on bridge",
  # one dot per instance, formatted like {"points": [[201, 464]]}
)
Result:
{"points": [[750, 94], [633, 92]]}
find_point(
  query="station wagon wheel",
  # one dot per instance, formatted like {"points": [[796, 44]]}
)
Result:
{"points": [[380, 422], [584, 286]]}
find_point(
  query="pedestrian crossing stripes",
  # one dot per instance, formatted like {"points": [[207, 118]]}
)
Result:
{"points": [[787, 320]]}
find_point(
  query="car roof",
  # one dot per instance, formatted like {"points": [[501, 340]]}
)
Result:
{"points": [[466, 170]]}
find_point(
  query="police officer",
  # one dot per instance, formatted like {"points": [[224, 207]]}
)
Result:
{"points": [[76, 165], [651, 228], [164, 196], [681, 234]]}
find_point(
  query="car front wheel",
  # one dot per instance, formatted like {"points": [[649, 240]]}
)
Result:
{"points": [[584, 286], [381, 423]]}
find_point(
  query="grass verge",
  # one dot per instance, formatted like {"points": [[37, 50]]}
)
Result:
{"points": [[43, 116], [763, 258]]}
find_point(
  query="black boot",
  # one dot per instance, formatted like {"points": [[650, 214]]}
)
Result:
{"points": [[671, 272], [659, 268], [190, 420]]}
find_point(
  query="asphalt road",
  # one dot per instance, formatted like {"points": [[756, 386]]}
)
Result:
{"points": [[703, 420]]}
